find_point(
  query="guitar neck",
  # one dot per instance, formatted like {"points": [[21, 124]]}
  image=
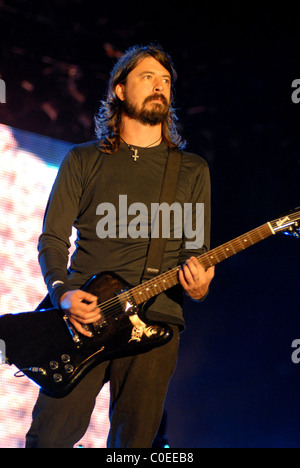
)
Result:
{"points": [[217, 255], [167, 280]]}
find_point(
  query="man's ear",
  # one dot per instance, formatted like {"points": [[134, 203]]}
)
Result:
{"points": [[120, 91]]}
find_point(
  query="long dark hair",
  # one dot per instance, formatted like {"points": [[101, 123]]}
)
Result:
{"points": [[108, 118]]}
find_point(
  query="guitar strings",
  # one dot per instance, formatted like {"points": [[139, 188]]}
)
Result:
{"points": [[207, 260], [236, 245], [169, 277]]}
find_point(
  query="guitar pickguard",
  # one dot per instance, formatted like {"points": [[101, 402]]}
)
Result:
{"points": [[141, 329]]}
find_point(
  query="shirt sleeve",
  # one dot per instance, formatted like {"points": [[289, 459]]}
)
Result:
{"points": [[61, 211], [201, 195], [198, 218]]}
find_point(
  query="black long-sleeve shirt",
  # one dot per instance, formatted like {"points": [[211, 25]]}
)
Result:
{"points": [[87, 179]]}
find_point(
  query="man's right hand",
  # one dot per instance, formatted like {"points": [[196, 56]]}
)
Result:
{"points": [[80, 312]]}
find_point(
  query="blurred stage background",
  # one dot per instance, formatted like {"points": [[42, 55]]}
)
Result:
{"points": [[235, 384]]}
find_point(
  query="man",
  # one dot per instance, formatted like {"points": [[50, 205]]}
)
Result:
{"points": [[136, 130]]}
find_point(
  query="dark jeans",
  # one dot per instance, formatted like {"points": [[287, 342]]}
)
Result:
{"points": [[138, 387]]}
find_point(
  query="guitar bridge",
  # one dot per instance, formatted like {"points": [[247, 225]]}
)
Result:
{"points": [[73, 332]]}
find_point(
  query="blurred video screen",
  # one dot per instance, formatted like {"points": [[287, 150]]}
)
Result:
{"points": [[28, 167]]}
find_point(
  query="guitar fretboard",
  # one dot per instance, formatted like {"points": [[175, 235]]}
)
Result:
{"points": [[167, 280]]}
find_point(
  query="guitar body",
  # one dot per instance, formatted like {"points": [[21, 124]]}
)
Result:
{"points": [[46, 348]]}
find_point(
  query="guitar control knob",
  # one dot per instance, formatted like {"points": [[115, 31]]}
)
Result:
{"points": [[69, 369], [65, 358], [53, 365], [57, 378]]}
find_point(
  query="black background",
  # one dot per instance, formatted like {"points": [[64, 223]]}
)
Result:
{"points": [[235, 384]]}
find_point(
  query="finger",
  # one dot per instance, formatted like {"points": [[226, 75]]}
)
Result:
{"points": [[182, 280], [81, 310], [211, 272], [199, 268], [86, 320], [80, 328], [87, 297], [196, 269], [91, 309], [84, 315], [188, 275], [195, 262]]}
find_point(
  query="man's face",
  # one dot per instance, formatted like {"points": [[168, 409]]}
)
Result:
{"points": [[147, 92]]}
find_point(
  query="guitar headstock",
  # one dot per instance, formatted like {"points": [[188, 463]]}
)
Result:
{"points": [[288, 225]]}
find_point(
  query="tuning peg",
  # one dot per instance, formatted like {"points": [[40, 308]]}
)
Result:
{"points": [[293, 231]]}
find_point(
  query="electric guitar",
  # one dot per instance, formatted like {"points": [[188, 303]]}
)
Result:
{"points": [[45, 347]]}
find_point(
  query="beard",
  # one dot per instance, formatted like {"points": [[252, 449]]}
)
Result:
{"points": [[155, 115]]}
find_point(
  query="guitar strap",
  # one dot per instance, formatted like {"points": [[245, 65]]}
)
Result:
{"points": [[156, 247]]}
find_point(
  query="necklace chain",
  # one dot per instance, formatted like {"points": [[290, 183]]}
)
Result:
{"points": [[135, 154]]}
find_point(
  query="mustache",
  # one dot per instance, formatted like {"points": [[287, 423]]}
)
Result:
{"points": [[157, 96]]}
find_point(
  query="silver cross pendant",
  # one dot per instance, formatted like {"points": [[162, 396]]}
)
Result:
{"points": [[135, 156]]}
